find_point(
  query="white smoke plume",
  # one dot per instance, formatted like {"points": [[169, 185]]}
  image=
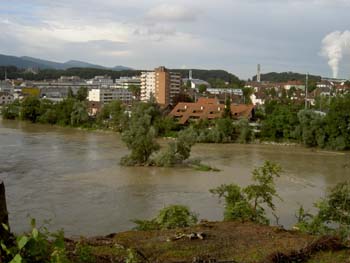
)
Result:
{"points": [[334, 46]]}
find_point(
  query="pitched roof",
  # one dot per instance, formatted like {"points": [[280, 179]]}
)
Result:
{"points": [[208, 108]]}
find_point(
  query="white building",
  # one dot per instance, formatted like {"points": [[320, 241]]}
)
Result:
{"points": [[256, 100], [106, 95], [294, 84], [216, 91], [148, 85], [6, 86], [103, 81], [127, 82]]}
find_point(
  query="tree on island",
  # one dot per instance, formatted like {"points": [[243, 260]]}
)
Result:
{"points": [[140, 136]]}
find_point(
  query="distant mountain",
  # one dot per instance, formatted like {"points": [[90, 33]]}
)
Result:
{"points": [[80, 64], [19, 62], [30, 62]]}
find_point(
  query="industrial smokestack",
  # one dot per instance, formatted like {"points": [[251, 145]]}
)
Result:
{"points": [[258, 75], [334, 46]]}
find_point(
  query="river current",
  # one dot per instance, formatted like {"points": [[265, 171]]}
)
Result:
{"points": [[73, 179]]}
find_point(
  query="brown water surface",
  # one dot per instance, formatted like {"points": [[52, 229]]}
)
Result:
{"points": [[73, 178]]}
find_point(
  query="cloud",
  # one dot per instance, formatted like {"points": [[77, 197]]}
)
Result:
{"points": [[229, 34], [171, 13]]}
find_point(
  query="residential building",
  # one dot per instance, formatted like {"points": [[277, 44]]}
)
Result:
{"points": [[217, 91], [160, 84], [148, 85], [5, 98], [294, 84], [6, 86], [175, 85], [58, 89], [209, 109], [127, 82], [65, 79], [103, 81], [106, 95]]}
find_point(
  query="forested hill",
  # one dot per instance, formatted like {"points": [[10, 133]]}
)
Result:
{"points": [[209, 74], [88, 73], [286, 76]]}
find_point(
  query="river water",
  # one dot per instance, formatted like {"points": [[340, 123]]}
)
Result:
{"points": [[72, 178]]}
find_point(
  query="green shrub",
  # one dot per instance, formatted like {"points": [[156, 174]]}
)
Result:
{"points": [[248, 204], [333, 215], [168, 218]]}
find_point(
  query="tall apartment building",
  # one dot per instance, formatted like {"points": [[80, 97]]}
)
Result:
{"points": [[161, 84]]}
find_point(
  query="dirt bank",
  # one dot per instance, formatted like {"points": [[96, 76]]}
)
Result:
{"points": [[222, 242]]}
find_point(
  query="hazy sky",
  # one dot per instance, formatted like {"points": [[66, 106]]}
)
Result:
{"points": [[281, 35]]}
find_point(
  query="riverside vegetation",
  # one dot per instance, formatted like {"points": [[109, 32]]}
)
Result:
{"points": [[280, 120], [242, 205]]}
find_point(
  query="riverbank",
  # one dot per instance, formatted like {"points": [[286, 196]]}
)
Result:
{"points": [[167, 138], [220, 242]]}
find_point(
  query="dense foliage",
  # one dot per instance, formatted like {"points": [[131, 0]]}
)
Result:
{"points": [[330, 129], [170, 217], [287, 76], [333, 213], [39, 245]]}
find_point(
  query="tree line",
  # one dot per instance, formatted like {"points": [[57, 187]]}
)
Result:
{"points": [[279, 121]]}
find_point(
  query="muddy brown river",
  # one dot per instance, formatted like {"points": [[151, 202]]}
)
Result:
{"points": [[73, 178]]}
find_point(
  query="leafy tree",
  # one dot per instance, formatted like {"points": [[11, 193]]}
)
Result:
{"points": [[30, 108], [82, 94], [227, 111], [135, 90], [70, 93], [338, 123], [202, 88], [333, 215], [112, 115], [79, 114], [182, 97], [311, 128], [64, 111], [170, 217], [244, 131], [249, 203], [177, 151], [247, 92], [11, 111], [140, 136], [281, 121]]}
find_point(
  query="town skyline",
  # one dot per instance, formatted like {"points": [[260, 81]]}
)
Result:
{"points": [[282, 36]]}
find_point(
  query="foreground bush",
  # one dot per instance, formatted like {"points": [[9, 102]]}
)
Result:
{"points": [[169, 218], [248, 204], [333, 215]]}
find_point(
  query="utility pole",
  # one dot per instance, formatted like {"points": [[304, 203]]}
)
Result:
{"points": [[306, 89]]}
